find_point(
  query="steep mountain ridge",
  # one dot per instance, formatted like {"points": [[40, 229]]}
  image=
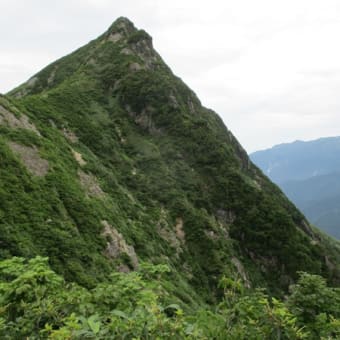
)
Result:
{"points": [[134, 169]]}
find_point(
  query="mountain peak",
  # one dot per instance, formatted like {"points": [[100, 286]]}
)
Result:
{"points": [[123, 21], [123, 30], [122, 41], [123, 26]]}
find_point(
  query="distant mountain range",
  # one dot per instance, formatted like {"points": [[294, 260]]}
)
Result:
{"points": [[309, 174]]}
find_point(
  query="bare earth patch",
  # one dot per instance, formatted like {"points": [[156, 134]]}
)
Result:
{"points": [[31, 158], [9, 119], [90, 184], [78, 157]]}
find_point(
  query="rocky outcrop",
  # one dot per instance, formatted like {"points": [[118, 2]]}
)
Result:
{"points": [[78, 157], [31, 158], [173, 235], [179, 229], [116, 246], [240, 269], [22, 122], [70, 135], [144, 119], [90, 184]]}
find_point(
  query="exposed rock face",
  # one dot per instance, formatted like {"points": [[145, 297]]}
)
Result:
{"points": [[307, 229], [70, 135], [78, 157], [225, 216], [211, 234], [116, 246], [114, 37], [51, 77], [144, 119], [140, 42], [123, 26], [22, 122], [241, 271], [126, 51], [90, 184], [179, 229], [144, 50], [135, 67], [173, 101], [174, 235], [21, 92], [31, 158]]}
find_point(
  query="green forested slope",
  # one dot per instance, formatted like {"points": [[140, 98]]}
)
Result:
{"points": [[108, 159]]}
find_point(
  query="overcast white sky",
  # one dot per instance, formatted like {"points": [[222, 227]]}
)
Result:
{"points": [[269, 68]]}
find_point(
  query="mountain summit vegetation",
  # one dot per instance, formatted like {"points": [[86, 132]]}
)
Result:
{"points": [[128, 210]]}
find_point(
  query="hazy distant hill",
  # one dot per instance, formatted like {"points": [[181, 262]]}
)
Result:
{"points": [[309, 174]]}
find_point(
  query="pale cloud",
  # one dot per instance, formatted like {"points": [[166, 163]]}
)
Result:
{"points": [[271, 69]]}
